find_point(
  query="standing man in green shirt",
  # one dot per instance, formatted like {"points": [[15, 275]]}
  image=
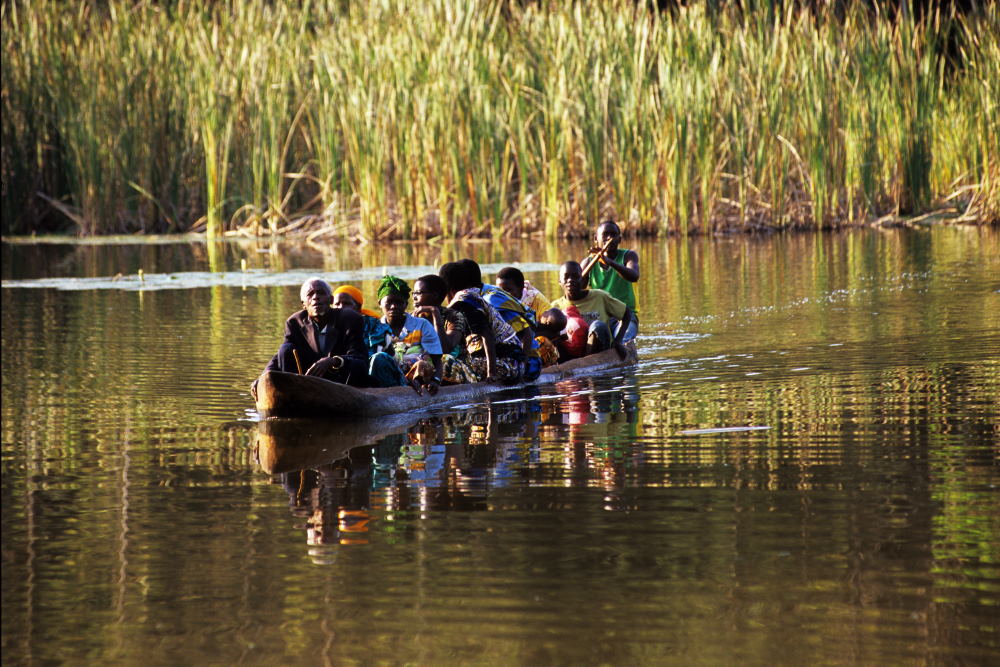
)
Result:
{"points": [[610, 268]]}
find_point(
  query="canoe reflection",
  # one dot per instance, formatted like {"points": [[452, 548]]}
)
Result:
{"points": [[348, 481], [294, 444]]}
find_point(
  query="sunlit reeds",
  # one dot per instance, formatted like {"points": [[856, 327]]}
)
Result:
{"points": [[410, 120]]}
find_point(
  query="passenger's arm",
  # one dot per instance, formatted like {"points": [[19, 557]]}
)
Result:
{"points": [[490, 348], [527, 337], [617, 342], [321, 367], [629, 270], [433, 315], [600, 255], [452, 339]]}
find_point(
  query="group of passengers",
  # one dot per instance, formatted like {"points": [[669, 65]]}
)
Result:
{"points": [[458, 328]]}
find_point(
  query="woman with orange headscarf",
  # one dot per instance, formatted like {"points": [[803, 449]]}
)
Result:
{"points": [[350, 297], [382, 368]]}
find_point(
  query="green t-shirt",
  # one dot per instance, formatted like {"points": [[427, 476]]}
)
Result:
{"points": [[597, 305], [607, 279]]}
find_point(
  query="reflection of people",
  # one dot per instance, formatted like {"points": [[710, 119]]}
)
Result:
{"points": [[604, 313], [322, 341], [333, 498]]}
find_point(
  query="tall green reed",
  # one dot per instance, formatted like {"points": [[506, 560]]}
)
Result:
{"points": [[447, 118]]}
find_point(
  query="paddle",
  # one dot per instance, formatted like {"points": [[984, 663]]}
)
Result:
{"points": [[597, 258]]}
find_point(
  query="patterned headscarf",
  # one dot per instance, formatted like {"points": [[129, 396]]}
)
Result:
{"points": [[393, 285]]}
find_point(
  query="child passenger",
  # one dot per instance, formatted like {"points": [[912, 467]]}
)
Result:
{"points": [[610, 322], [511, 280], [549, 335]]}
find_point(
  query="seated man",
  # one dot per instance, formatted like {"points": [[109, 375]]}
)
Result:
{"points": [[604, 313], [322, 341]]}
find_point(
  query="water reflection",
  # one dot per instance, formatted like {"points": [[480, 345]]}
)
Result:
{"points": [[336, 473]]}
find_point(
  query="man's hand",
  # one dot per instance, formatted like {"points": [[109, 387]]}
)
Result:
{"points": [[430, 386], [324, 365], [596, 255]]}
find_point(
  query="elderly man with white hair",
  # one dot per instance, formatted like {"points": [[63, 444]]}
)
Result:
{"points": [[323, 341]]}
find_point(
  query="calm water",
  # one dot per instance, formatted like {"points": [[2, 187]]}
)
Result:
{"points": [[803, 468]]}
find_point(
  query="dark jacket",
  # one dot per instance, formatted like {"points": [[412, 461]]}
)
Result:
{"points": [[343, 338]]}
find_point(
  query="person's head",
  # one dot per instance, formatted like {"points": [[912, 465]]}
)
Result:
{"points": [[511, 280], [316, 297], [459, 276], [348, 296], [393, 296], [475, 273], [429, 290], [551, 323], [608, 231], [571, 281]]}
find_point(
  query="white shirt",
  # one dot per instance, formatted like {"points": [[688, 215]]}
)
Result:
{"points": [[428, 337]]}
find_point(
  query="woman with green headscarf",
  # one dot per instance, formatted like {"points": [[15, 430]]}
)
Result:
{"points": [[416, 345]]}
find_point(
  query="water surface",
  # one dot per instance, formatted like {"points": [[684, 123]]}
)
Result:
{"points": [[803, 468]]}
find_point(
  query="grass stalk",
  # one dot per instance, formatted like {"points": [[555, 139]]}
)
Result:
{"points": [[447, 118]]}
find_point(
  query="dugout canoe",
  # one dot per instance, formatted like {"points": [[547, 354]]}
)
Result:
{"points": [[291, 395]]}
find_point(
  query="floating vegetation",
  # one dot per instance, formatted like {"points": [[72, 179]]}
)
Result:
{"points": [[447, 118]]}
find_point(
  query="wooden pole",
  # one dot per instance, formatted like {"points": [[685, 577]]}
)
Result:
{"points": [[597, 258]]}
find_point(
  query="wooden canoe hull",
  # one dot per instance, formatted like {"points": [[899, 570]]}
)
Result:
{"points": [[290, 395]]}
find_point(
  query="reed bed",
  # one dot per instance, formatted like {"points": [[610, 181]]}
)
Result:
{"points": [[452, 118]]}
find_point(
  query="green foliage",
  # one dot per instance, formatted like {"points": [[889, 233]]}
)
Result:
{"points": [[393, 119]]}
